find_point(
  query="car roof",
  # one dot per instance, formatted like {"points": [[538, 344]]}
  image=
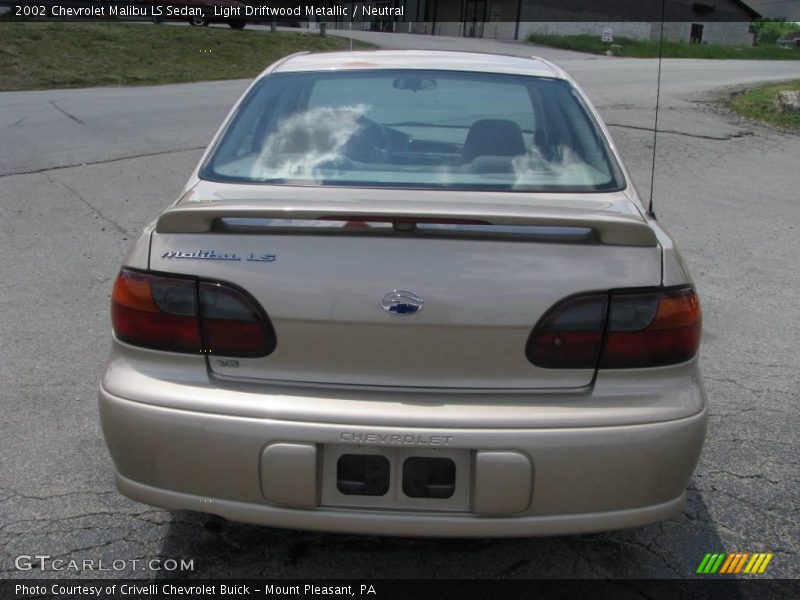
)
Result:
{"points": [[418, 59]]}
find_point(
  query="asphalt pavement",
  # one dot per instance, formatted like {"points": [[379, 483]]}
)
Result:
{"points": [[82, 170]]}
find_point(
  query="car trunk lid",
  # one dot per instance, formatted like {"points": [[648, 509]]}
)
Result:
{"points": [[324, 270]]}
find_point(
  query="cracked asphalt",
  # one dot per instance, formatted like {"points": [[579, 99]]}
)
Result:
{"points": [[82, 170]]}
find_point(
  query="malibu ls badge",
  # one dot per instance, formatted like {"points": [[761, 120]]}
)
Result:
{"points": [[214, 255]]}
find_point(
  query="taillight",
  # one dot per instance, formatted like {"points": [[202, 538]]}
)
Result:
{"points": [[232, 324], [156, 312], [178, 314], [620, 330], [652, 329], [570, 336]]}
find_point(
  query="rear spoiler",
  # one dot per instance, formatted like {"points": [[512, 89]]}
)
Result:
{"points": [[612, 228]]}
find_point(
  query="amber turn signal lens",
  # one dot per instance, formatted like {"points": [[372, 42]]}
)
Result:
{"points": [[182, 314], [620, 330]]}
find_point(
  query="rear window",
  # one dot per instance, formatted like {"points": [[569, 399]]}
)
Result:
{"points": [[415, 129]]}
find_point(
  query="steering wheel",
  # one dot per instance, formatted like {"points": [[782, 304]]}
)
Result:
{"points": [[370, 143]]}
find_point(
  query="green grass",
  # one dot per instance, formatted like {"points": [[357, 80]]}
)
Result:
{"points": [[63, 55], [649, 49], [759, 104]]}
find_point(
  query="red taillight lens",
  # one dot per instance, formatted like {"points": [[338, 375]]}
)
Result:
{"points": [[232, 324], [156, 312], [649, 330], [570, 336], [641, 329], [161, 312]]}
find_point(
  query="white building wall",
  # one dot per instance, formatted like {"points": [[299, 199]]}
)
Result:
{"points": [[637, 31], [500, 30], [713, 33], [728, 33]]}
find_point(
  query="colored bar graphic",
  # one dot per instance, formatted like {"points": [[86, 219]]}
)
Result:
{"points": [[759, 562], [711, 562], [704, 563], [719, 562], [727, 564], [740, 564], [730, 563], [764, 564], [755, 562]]}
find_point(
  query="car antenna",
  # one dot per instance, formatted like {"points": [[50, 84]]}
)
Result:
{"points": [[650, 210]]}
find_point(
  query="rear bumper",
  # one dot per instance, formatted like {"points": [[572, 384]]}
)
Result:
{"points": [[404, 524], [583, 479]]}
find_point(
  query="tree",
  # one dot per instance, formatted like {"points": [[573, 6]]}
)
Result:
{"points": [[769, 31]]}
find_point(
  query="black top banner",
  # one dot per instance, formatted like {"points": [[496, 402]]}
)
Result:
{"points": [[303, 11]]}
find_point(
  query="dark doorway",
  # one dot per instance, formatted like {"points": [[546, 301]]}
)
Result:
{"points": [[696, 35], [474, 17]]}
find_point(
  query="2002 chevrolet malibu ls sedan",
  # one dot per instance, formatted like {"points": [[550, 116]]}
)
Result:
{"points": [[408, 293]]}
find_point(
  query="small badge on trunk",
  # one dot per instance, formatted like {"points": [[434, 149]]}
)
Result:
{"points": [[400, 302], [214, 255]]}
